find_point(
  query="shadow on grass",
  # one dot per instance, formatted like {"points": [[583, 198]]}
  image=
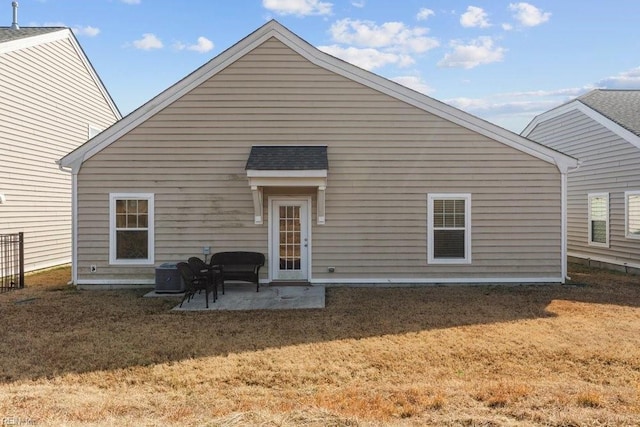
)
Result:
{"points": [[52, 331]]}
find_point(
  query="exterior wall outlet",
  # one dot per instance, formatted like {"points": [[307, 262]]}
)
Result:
{"points": [[93, 269], [331, 269], [206, 250]]}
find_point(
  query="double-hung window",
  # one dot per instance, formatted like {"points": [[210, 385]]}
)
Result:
{"points": [[131, 233], [599, 219], [449, 228], [632, 214]]}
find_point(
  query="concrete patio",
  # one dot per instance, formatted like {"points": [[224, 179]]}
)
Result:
{"points": [[241, 296]]}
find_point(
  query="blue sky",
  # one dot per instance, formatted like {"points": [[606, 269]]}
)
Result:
{"points": [[504, 61]]}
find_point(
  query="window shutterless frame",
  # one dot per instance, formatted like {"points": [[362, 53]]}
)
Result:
{"points": [[133, 224], [449, 223], [598, 219]]}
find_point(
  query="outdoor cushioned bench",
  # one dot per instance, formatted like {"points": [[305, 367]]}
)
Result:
{"points": [[244, 266]]}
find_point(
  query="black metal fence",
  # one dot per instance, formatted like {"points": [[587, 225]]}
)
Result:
{"points": [[11, 261]]}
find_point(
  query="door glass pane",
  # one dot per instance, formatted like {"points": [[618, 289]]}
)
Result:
{"points": [[290, 237]]}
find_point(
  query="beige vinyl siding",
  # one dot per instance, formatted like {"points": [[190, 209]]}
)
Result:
{"points": [[385, 156], [47, 100], [609, 165]]}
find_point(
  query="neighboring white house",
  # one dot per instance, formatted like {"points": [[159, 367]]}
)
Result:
{"points": [[51, 101], [602, 130], [336, 174]]}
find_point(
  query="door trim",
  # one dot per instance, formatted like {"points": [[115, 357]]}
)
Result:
{"points": [[273, 258]]}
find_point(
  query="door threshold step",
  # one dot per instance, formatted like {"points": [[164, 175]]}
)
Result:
{"points": [[289, 283]]}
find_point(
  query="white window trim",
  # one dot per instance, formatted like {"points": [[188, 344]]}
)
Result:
{"points": [[112, 228], [589, 231], [467, 226], [626, 214]]}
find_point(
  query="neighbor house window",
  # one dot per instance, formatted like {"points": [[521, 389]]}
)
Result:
{"points": [[599, 219], [449, 228], [131, 228], [632, 214]]}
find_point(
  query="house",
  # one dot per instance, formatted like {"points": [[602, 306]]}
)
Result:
{"points": [[51, 101], [337, 175], [602, 130]]}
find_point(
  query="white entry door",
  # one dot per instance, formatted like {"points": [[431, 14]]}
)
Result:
{"points": [[290, 239]]}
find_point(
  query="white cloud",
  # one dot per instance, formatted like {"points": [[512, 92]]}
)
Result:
{"points": [[626, 80], [480, 51], [202, 46], [474, 17], [528, 15], [298, 7], [131, 1], [88, 31], [413, 82], [507, 27], [359, 4], [367, 58], [393, 36], [424, 14], [78, 30], [147, 42], [514, 110]]}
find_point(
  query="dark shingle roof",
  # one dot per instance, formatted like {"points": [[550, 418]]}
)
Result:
{"points": [[620, 106], [8, 34], [288, 157]]}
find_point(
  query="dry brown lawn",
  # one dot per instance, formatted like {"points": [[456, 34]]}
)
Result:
{"points": [[469, 356]]}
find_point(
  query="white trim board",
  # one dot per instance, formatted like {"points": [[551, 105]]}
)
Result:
{"points": [[437, 281], [132, 283]]}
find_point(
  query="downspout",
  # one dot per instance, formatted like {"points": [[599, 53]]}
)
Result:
{"points": [[563, 195], [74, 221], [564, 170]]}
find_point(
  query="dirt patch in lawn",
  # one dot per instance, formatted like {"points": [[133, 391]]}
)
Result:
{"points": [[467, 355]]}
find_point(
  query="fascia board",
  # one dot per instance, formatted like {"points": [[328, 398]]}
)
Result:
{"points": [[314, 173]]}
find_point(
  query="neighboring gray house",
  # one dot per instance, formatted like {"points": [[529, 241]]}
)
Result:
{"points": [[338, 175], [51, 101], [602, 130]]}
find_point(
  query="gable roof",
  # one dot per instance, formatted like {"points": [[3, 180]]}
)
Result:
{"points": [[8, 34], [620, 106], [288, 157], [617, 110], [274, 29], [25, 37]]}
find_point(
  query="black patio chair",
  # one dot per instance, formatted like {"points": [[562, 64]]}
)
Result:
{"points": [[193, 283], [210, 273]]}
